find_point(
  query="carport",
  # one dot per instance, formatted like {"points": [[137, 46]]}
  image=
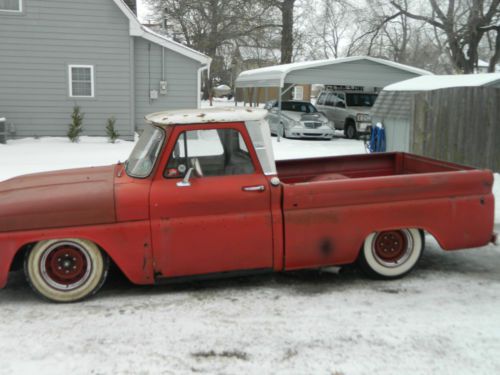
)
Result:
{"points": [[350, 71]]}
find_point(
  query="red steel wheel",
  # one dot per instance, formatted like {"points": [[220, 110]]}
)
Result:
{"points": [[65, 265], [391, 254], [391, 246], [66, 270]]}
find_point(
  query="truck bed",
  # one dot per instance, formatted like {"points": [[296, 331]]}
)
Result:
{"points": [[330, 205], [360, 166]]}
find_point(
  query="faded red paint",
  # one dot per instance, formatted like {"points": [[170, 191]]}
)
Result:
{"points": [[58, 199], [319, 216]]}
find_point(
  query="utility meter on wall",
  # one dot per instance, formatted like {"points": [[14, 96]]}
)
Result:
{"points": [[163, 87]]}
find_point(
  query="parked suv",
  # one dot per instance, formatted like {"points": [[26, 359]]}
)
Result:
{"points": [[349, 111]]}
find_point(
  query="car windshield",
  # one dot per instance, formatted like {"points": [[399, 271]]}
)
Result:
{"points": [[361, 100], [143, 158], [298, 107]]}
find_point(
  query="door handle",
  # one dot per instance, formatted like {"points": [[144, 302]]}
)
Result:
{"points": [[254, 188]]}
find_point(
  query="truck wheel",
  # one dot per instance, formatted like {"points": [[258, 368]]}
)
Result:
{"points": [[350, 131], [391, 254], [66, 270]]}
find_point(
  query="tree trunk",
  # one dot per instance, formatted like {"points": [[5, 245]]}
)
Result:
{"points": [[287, 31], [496, 56]]}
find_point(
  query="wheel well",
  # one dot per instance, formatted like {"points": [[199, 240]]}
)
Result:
{"points": [[18, 261], [349, 121]]}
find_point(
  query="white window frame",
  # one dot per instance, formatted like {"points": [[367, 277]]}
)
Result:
{"points": [[92, 81], [20, 10]]}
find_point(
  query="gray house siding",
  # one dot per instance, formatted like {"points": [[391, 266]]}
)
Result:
{"points": [[36, 49], [181, 74]]}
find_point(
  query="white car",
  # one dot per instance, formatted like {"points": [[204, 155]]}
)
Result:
{"points": [[298, 119], [350, 111]]}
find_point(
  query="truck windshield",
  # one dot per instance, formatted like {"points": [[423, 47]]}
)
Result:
{"points": [[361, 100], [298, 107], [143, 158]]}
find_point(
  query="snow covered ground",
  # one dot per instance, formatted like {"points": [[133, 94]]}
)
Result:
{"points": [[442, 319]]}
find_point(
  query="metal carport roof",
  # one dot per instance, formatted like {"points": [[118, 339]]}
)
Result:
{"points": [[353, 71]]}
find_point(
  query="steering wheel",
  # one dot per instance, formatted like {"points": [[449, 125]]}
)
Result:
{"points": [[195, 163]]}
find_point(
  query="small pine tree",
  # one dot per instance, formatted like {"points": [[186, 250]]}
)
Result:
{"points": [[76, 126], [111, 131]]}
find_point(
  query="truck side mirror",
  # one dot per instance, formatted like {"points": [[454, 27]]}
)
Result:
{"points": [[185, 181]]}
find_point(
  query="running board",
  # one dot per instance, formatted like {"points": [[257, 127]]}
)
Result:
{"points": [[211, 276]]}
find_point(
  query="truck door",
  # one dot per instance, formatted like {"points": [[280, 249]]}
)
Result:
{"points": [[218, 221]]}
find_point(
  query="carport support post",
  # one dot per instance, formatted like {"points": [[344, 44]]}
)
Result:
{"points": [[279, 111], [280, 94]]}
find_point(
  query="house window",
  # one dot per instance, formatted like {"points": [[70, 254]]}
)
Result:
{"points": [[81, 81], [11, 5]]}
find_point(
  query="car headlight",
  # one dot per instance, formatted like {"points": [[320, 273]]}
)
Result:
{"points": [[292, 124], [363, 117]]}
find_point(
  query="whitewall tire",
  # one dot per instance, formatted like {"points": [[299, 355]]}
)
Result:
{"points": [[66, 270], [391, 254]]}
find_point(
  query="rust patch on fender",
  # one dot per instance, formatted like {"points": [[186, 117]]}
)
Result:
{"points": [[326, 246]]}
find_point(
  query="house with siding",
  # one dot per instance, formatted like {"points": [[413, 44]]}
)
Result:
{"points": [[55, 54]]}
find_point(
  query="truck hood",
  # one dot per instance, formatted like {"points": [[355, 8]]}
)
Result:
{"points": [[58, 199], [300, 116], [355, 110]]}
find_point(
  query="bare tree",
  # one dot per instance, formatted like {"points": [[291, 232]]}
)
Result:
{"points": [[213, 27], [463, 23], [286, 9]]}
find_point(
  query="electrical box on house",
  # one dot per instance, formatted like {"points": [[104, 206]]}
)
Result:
{"points": [[163, 87], [153, 94]]}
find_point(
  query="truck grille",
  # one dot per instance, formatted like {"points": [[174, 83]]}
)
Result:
{"points": [[312, 125]]}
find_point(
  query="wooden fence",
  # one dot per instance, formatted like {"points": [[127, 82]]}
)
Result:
{"points": [[460, 125]]}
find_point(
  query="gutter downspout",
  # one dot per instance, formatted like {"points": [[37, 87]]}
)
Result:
{"points": [[198, 89], [133, 97], [162, 63], [281, 93]]}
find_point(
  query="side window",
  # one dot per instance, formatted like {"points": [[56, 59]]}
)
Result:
{"points": [[81, 81], [329, 100], [211, 152], [340, 101]]}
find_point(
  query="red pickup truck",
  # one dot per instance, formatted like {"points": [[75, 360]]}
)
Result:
{"points": [[202, 195]]}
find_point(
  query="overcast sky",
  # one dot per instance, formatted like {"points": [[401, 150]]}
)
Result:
{"points": [[141, 10]]}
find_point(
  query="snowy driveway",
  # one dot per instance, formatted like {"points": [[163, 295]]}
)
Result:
{"points": [[442, 319]]}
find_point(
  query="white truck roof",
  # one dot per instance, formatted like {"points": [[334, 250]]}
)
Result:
{"points": [[206, 115], [253, 118]]}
